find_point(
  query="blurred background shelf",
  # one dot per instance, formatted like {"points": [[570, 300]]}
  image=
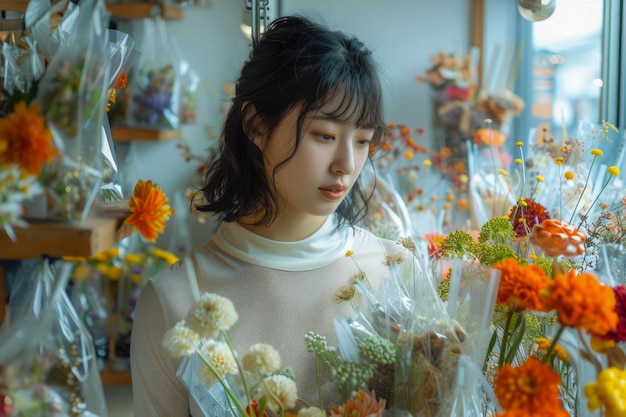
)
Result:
{"points": [[145, 9], [127, 134], [60, 239]]}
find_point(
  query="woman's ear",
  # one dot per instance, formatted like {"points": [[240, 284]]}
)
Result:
{"points": [[251, 124]]}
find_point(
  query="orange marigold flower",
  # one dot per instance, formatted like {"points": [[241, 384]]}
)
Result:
{"points": [[121, 80], [25, 139], [521, 286], [150, 210], [361, 405], [531, 387], [486, 136], [556, 237], [533, 213], [582, 301]]}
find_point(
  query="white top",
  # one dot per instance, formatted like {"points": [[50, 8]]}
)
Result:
{"points": [[281, 291]]}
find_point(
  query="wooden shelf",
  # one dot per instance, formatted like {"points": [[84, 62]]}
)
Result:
{"points": [[58, 239], [110, 376], [14, 5], [142, 10], [127, 134]]}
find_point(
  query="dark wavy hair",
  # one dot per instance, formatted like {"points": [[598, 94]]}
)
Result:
{"points": [[297, 63]]}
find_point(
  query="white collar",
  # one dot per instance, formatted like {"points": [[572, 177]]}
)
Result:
{"points": [[322, 248]]}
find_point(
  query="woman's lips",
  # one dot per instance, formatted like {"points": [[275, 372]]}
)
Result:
{"points": [[333, 192]]}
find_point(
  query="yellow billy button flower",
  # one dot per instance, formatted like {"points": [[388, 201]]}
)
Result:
{"points": [[608, 392], [540, 178], [597, 152], [428, 162], [519, 144], [569, 175], [487, 121], [349, 253], [559, 161], [613, 170], [502, 172], [517, 161], [409, 155]]}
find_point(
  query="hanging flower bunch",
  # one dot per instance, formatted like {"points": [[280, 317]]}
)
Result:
{"points": [[150, 210], [25, 146]]}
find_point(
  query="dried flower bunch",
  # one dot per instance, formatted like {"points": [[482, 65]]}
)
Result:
{"points": [[204, 333]]}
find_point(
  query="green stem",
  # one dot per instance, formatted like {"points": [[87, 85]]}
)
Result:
{"points": [[553, 344], [318, 378], [595, 200], [505, 337], [227, 389], [243, 378], [281, 412]]}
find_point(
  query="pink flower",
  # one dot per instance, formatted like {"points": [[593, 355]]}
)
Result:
{"points": [[361, 405]]}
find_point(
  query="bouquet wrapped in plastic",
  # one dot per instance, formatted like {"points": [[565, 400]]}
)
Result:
{"points": [[72, 95], [405, 347], [47, 360]]}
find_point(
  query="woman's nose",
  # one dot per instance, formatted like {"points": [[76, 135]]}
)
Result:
{"points": [[343, 162]]}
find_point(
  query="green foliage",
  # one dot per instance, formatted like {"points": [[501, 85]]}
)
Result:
{"points": [[492, 254], [458, 244], [497, 230]]}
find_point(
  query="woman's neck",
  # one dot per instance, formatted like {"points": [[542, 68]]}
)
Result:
{"points": [[284, 228]]}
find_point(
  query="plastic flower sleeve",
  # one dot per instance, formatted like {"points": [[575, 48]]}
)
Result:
{"points": [[471, 301], [388, 216], [490, 191], [154, 84], [46, 355], [72, 96], [190, 84]]}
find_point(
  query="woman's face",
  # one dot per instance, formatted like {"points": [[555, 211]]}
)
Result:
{"points": [[325, 166]]}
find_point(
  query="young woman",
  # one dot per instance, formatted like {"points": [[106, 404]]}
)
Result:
{"points": [[306, 116]]}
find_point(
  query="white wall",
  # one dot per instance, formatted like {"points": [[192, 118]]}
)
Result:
{"points": [[403, 35]]}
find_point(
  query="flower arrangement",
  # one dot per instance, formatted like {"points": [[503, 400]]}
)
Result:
{"points": [[266, 388], [461, 105], [150, 210], [553, 304]]}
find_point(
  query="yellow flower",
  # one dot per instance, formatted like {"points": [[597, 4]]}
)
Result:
{"points": [[518, 161], [518, 144], [502, 172], [25, 139], [349, 253], [597, 152], [613, 170], [569, 175], [540, 178], [559, 161], [149, 209], [428, 162], [409, 155], [608, 391]]}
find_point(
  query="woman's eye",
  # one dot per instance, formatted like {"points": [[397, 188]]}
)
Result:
{"points": [[364, 142], [325, 137]]}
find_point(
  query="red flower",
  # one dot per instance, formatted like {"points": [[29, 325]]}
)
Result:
{"points": [[255, 407], [525, 216], [619, 333]]}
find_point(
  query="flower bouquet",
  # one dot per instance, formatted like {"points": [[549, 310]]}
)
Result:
{"points": [[209, 365], [404, 347]]}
